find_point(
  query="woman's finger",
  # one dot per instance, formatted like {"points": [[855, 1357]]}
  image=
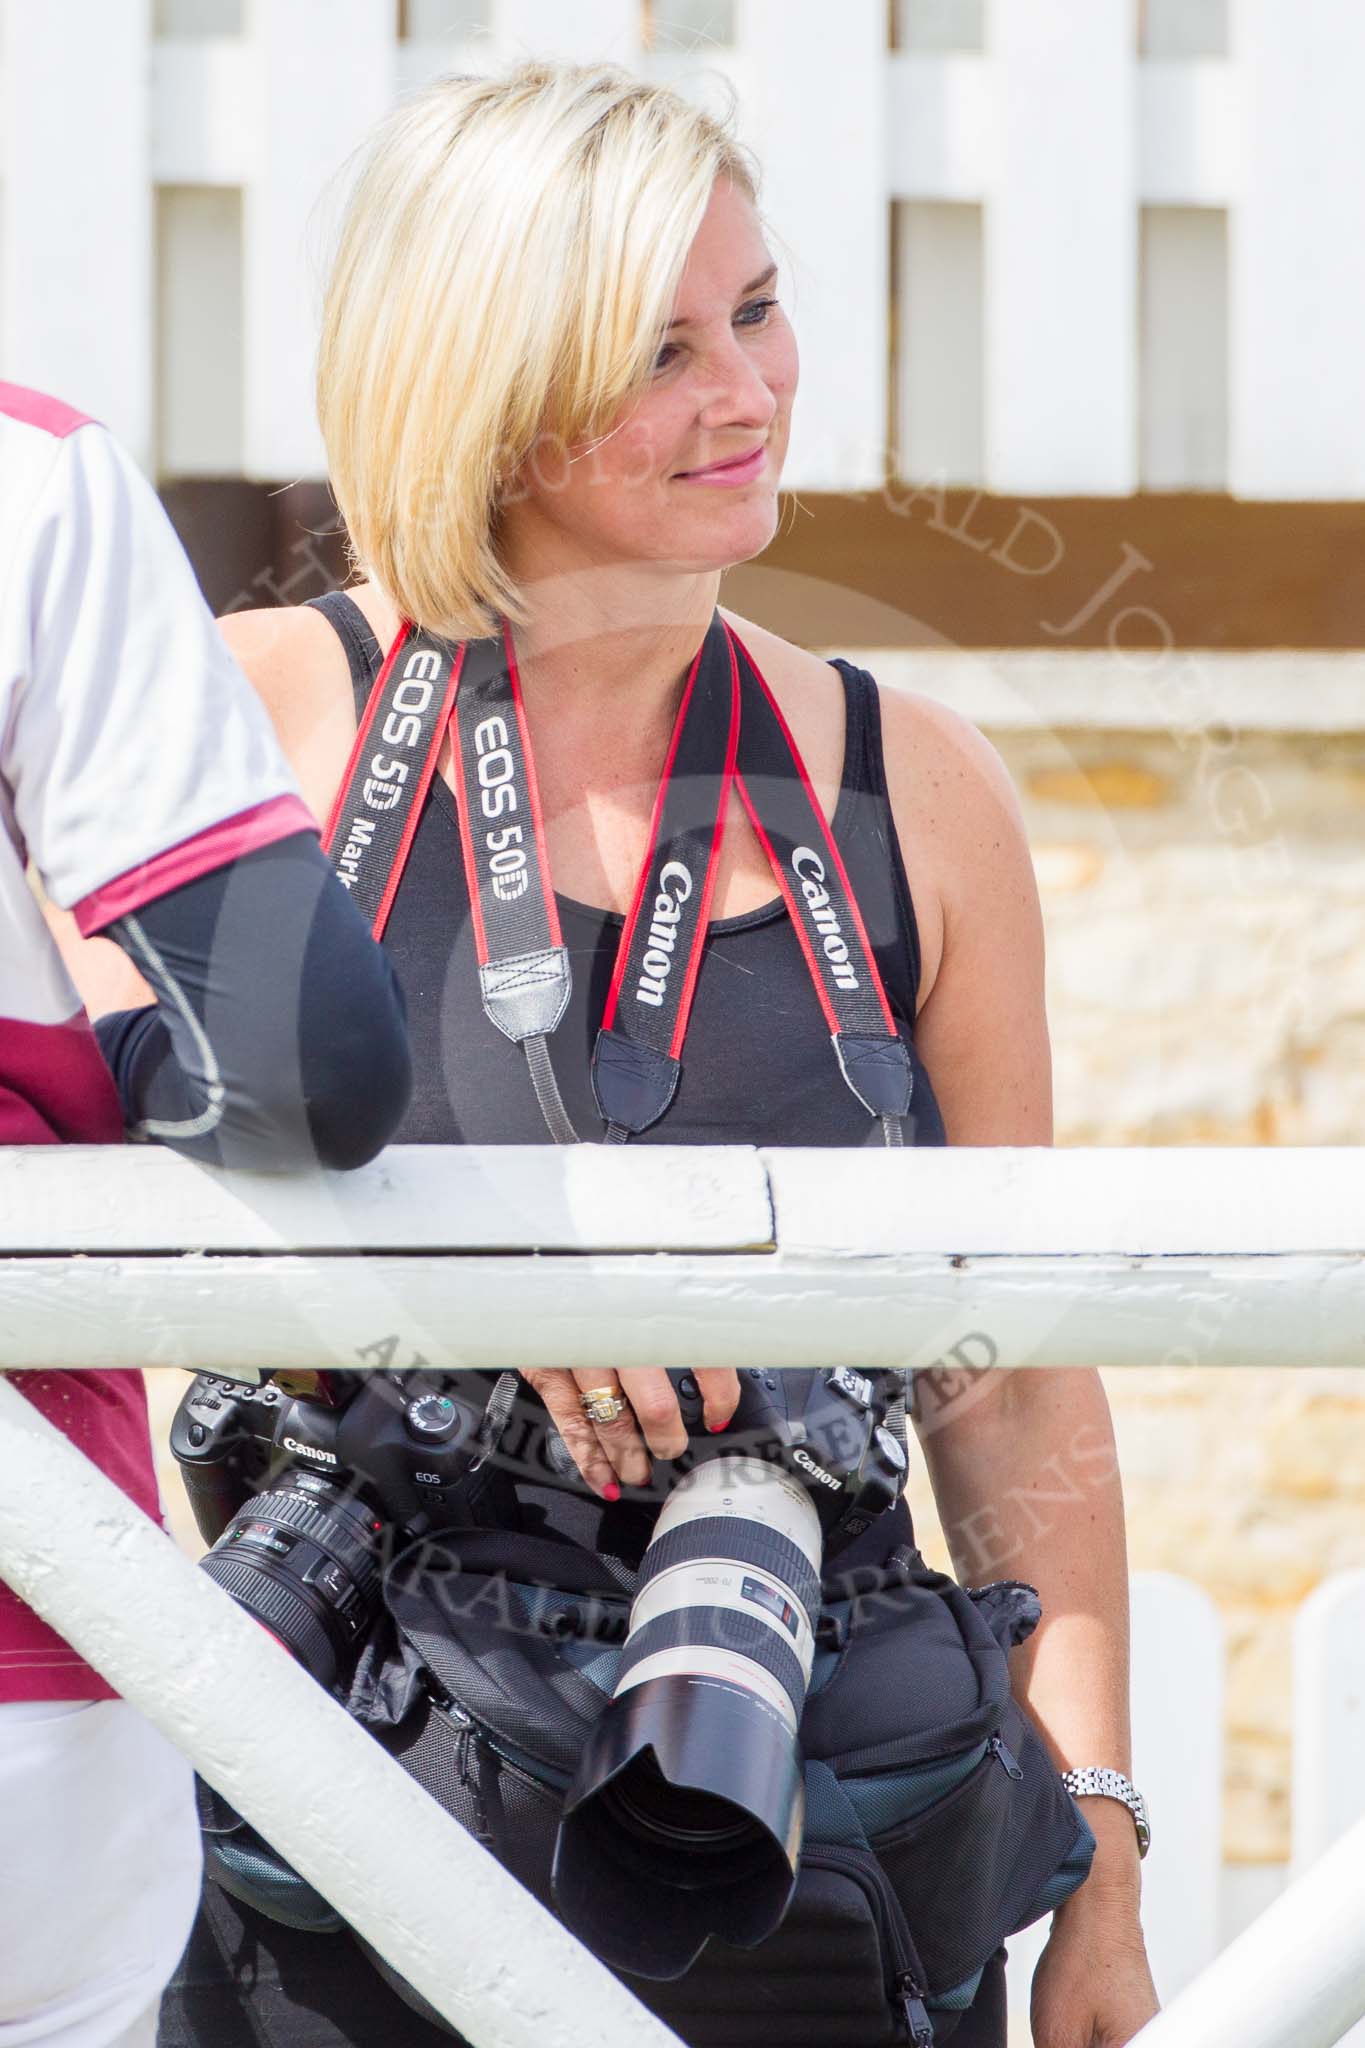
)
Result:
{"points": [[621, 1439], [559, 1390], [719, 1388], [650, 1393]]}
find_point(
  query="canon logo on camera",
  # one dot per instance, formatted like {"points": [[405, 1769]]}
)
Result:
{"points": [[816, 1471], [291, 1443]]}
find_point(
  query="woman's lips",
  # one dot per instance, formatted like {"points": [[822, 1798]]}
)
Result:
{"points": [[741, 472]]}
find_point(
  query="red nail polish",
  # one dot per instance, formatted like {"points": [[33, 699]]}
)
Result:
{"points": [[716, 1427], [611, 1491]]}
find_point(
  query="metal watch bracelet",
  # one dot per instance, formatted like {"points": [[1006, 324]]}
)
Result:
{"points": [[1113, 1784]]}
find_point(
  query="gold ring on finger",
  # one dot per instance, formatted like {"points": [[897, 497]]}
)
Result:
{"points": [[601, 1404]]}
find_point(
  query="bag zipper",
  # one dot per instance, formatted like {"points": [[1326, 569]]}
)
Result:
{"points": [[906, 1988], [469, 1778], [917, 2020], [552, 1780], [870, 1760], [1007, 1758]]}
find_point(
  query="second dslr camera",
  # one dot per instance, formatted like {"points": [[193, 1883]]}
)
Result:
{"points": [[297, 1493]]}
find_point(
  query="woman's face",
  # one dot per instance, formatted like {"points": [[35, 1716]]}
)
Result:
{"points": [[722, 384]]}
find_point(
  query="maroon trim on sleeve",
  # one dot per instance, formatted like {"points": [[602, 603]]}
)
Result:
{"points": [[36, 409], [215, 847]]}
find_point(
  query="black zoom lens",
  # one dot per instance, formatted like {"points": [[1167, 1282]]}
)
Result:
{"points": [[303, 1559]]}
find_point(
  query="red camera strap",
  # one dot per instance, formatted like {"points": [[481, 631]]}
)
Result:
{"points": [[729, 732]]}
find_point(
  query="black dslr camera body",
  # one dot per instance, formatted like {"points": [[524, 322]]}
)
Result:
{"points": [[302, 1494], [826, 1429], [298, 1493]]}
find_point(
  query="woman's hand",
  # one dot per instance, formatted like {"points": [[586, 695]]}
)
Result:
{"points": [[611, 1455], [1093, 1985]]}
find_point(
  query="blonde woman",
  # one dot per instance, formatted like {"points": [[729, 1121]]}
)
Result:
{"points": [[556, 385]]}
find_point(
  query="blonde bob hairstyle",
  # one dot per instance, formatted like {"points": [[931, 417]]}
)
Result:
{"points": [[507, 265]]}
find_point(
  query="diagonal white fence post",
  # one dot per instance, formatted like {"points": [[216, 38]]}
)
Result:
{"points": [[1294, 1979], [479, 1948]]}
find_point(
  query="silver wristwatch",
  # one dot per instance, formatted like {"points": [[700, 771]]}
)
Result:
{"points": [[1098, 1778]]}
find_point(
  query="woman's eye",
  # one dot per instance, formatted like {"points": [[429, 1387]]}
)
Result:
{"points": [[759, 306]]}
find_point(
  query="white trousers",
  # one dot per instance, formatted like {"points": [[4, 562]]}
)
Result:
{"points": [[99, 1873]]}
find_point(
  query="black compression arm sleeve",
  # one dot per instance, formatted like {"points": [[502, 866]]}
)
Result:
{"points": [[279, 1033]]}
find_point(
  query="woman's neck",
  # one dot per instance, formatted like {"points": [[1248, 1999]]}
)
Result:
{"points": [[583, 663], [589, 651]]}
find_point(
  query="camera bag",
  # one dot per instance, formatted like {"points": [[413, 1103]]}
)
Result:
{"points": [[936, 1824]]}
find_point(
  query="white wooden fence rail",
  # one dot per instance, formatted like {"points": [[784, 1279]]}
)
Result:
{"points": [[505, 1255], [687, 1256], [1111, 268]]}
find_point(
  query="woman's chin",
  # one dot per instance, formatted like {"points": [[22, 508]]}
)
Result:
{"points": [[737, 539]]}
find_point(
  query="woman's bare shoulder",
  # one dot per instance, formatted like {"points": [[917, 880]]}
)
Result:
{"points": [[782, 662], [298, 668], [957, 813], [289, 652], [958, 776], [809, 696]]}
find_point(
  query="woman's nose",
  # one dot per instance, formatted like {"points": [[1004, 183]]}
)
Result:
{"points": [[741, 393]]}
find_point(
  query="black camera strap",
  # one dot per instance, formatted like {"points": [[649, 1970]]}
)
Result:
{"points": [[729, 733], [809, 870], [637, 1058], [374, 815]]}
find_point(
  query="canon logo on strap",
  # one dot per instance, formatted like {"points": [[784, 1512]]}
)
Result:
{"points": [[809, 870], [675, 886]]}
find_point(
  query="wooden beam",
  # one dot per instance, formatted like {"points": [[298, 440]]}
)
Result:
{"points": [[920, 565]]}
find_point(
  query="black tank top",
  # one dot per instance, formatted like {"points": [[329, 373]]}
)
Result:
{"points": [[757, 1066]]}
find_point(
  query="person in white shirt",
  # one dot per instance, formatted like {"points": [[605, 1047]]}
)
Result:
{"points": [[142, 783]]}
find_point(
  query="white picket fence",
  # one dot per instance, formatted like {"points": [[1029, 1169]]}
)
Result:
{"points": [[1041, 245]]}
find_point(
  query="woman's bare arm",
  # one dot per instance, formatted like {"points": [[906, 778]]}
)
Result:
{"points": [[105, 978], [1022, 1462], [297, 666]]}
